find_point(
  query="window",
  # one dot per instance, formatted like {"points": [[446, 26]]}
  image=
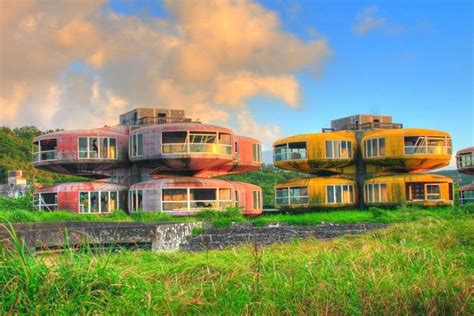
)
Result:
{"points": [[290, 151], [466, 160], [466, 197], [340, 194], [415, 191], [257, 154], [432, 145], [196, 142], [338, 149], [136, 145], [45, 201], [203, 198], [135, 199], [45, 149], [374, 147], [225, 144], [173, 199], [174, 142], [97, 148], [98, 202], [291, 196], [376, 193], [189, 199], [433, 192], [257, 200]]}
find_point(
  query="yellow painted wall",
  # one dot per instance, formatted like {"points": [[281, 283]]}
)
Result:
{"points": [[395, 156], [396, 187], [317, 190], [316, 153]]}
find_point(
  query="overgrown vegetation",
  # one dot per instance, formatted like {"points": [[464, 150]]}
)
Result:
{"points": [[424, 267], [15, 154]]}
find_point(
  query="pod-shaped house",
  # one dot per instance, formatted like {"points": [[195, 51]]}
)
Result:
{"points": [[465, 160], [410, 188], [320, 153], [405, 150], [316, 194], [81, 197], [188, 195]]}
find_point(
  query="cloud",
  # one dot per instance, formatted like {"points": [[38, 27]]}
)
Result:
{"points": [[369, 19], [74, 64]]}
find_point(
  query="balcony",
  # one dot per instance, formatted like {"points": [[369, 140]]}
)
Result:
{"points": [[427, 145], [45, 155], [372, 125], [290, 151], [151, 120], [186, 148]]}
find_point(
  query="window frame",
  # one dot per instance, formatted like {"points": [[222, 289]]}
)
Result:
{"points": [[371, 188], [99, 148], [40, 201], [375, 151], [37, 154], [117, 207], [289, 195], [287, 154], [218, 201], [340, 188], [336, 146], [224, 149]]}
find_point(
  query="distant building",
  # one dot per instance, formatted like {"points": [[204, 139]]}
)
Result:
{"points": [[364, 160], [154, 160], [16, 185], [465, 164]]}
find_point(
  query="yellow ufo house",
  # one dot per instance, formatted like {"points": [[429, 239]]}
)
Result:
{"points": [[360, 153]]}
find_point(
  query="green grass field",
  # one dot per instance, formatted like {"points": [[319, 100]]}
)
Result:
{"points": [[421, 267]]}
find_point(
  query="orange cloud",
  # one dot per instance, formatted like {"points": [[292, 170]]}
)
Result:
{"points": [[209, 57]]}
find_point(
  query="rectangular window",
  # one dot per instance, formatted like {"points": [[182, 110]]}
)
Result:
{"points": [[257, 200], [298, 195], [139, 145], [297, 150], [45, 149], [203, 198], [104, 147], [45, 201], [280, 152], [225, 144], [374, 147], [256, 152], [84, 202], [415, 191], [330, 194], [340, 194], [93, 147], [104, 202], [94, 202], [338, 149], [281, 196], [113, 201], [329, 151], [83, 145], [433, 192], [376, 193]]}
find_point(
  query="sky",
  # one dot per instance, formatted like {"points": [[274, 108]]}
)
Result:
{"points": [[267, 69]]}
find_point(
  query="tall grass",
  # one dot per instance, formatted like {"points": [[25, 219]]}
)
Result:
{"points": [[423, 267]]}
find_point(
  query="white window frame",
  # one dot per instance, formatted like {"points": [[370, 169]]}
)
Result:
{"points": [[338, 144], [99, 202], [446, 149], [287, 155], [37, 154], [342, 186], [378, 187], [258, 195], [218, 201], [433, 194], [368, 142], [50, 207], [99, 148], [131, 203], [256, 151], [221, 147], [288, 198]]}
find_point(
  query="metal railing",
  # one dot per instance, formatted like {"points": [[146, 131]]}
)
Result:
{"points": [[293, 155], [179, 148], [45, 155], [428, 150], [371, 125], [151, 120]]}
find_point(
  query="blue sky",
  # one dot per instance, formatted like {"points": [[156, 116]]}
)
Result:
{"points": [[416, 66]]}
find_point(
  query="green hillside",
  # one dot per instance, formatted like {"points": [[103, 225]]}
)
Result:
{"points": [[15, 154]]}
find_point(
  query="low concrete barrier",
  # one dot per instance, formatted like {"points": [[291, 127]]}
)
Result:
{"points": [[157, 236]]}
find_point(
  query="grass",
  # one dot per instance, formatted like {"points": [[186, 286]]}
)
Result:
{"points": [[421, 267]]}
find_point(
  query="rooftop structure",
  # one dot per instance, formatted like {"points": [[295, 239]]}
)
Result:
{"points": [[149, 145], [364, 159], [364, 121]]}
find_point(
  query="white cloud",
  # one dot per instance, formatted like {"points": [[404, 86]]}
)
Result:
{"points": [[369, 19]]}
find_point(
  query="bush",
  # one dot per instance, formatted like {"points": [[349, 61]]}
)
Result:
{"points": [[21, 203]]}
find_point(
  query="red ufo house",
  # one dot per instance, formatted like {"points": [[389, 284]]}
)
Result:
{"points": [[165, 161]]}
